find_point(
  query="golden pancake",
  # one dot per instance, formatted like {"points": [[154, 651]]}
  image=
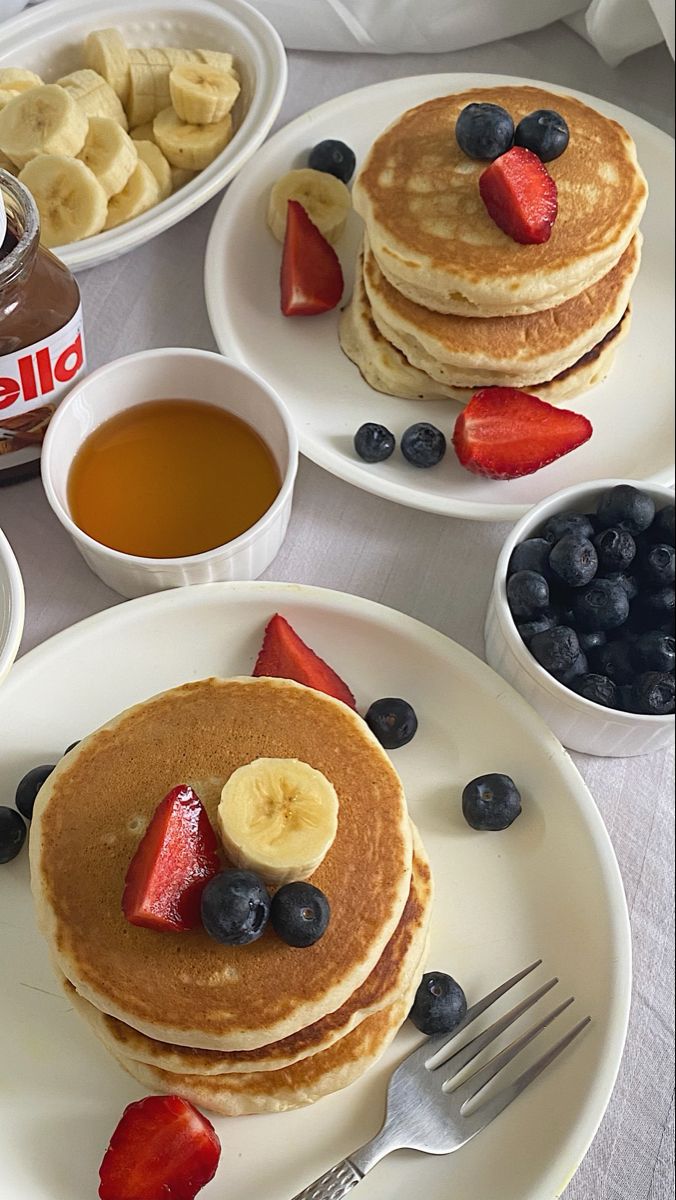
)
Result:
{"points": [[185, 988], [418, 194]]}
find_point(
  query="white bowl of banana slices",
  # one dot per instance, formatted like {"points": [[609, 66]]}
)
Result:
{"points": [[123, 118]]}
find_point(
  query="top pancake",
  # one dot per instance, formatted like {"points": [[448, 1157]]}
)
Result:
{"points": [[184, 987], [431, 233]]}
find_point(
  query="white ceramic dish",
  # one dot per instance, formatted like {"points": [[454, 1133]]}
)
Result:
{"points": [[178, 374], [49, 40], [502, 900], [302, 359], [11, 606], [580, 724]]}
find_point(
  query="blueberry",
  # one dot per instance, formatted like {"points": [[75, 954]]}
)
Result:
{"points": [[539, 624], [557, 650], [423, 445], [235, 907], [567, 522], [393, 721], [662, 528], [625, 507], [491, 802], [657, 565], [603, 604], [69, 748], [29, 787], [616, 549], [592, 640], [374, 443], [299, 914], [544, 132], [574, 560], [628, 582], [614, 660], [654, 693], [657, 607], [12, 834], [654, 651], [333, 158], [597, 688], [527, 594], [484, 131], [531, 555], [439, 1004], [578, 668]]}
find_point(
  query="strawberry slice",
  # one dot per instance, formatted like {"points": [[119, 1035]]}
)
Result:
{"points": [[311, 278], [162, 1149], [505, 433], [176, 857], [520, 195], [285, 656]]}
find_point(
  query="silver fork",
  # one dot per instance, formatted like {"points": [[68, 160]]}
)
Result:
{"points": [[423, 1115]]}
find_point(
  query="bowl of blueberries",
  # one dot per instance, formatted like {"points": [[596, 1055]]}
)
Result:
{"points": [[581, 615]]}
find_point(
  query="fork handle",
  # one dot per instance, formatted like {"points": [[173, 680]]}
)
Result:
{"points": [[333, 1184]]}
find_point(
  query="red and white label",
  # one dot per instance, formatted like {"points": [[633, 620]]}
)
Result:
{"points": [[32, 382]]}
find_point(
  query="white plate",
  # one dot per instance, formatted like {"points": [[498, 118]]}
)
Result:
{"points": [[49, 40], [548, 887], [632, 412], [11, 606]]}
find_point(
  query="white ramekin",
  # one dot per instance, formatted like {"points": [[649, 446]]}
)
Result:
{"points": [[176, 374], [12, 606], [578, 723]]}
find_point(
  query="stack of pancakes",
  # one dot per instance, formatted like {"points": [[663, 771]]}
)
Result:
{"points": [[445, 303], [236, 1029]]}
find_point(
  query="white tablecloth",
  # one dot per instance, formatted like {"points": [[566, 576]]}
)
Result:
{"points": [[436, 569]]}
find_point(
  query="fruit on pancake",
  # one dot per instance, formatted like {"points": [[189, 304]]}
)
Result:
{"points": [[440, 1004], [484, 130], [235, 907], [94, 96], [520, 196], [139, 194], [176, 857], [335, 158], [311, 278], [190, 146], [300, 914], [202, 94], [423, 444], [284, 655], [325, 199], [71, 202], [107, 54], [110, 153], [545, 132], [505, 433], [278, 817], [374, 443], [43, 120], [162, 1147], [393, 721], [28, 788], [12, 833], [153, 157], [491, 802]]}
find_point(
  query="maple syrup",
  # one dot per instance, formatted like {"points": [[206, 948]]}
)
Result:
{"points": [[171, 478]]}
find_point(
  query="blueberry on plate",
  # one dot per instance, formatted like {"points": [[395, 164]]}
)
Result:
{"points": [[557, 650], [439, 1004], [662, 528], [614, 660], [567, 522], [235, 907], [12, 834], [538, 624], [374, 443], [393, 721], [654, 651], [484, 131], [591, 640], [299, 914], [654, 693], [527, 594], [531, 555], [333, 158], [597, 688], [657, 565], [423, 445], [491, 802], [625, 507], [545, 132], [28, 788], [574, 560], [616, 549], [603, 604]]}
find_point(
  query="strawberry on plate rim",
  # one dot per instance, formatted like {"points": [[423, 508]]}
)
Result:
{"points": [[505, 433]]}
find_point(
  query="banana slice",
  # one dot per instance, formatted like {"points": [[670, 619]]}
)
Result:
{"points": [[110, 153], [189, 146], [5, 96], [43, 120], [106, 53], [94, 96], [148, 89], [325, 199], [6, 164], [71, 202], [202, 94], [278, 816], [179, 177], [165, 54], [15, 79], [153, 157], [217, 58], [142, 133], [141, 192]]}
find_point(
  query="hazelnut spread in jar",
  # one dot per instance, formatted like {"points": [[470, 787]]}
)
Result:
{"points": [[41, 338]]}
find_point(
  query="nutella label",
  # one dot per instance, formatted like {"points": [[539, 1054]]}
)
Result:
{"points": [[32, 382]]}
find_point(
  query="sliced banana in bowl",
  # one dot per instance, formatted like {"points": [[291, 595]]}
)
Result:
{"points": [[70, 199], [42, 120], [110, 153]]}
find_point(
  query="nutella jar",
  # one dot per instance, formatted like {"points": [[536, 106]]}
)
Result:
{"points": [[41, 338]]}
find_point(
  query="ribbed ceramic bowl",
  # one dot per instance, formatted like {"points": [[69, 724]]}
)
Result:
{"points": [[11, 606], [578, 723]]}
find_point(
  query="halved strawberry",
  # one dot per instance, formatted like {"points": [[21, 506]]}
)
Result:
{"points": [[505, 433], [162, 1149], [285, 656], [311, 278], [520, 195], [176, 857]]}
